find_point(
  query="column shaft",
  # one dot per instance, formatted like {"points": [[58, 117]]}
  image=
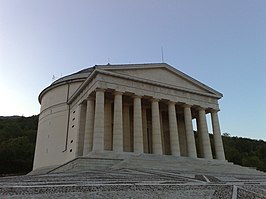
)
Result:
{"points": [[205, 138], [137, 126], [191, 147], [218, 142], [156, 129], [174, 140], [89, 126], [98, 136], [81, 130], [118, 123]]}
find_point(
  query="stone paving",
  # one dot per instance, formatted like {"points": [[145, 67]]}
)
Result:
{"points": [[134, 183]]}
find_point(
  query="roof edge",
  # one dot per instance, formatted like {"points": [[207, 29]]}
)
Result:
{"points": [[52, 86]]}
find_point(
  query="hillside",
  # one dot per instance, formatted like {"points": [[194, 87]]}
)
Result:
{"points": [[18, 135], [17, 144], [246, 152]]}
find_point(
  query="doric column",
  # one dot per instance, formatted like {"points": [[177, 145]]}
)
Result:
{"points": [[81, 130], [205, 138], [156, 129], [118, 123], [98, 136], [191, 146], [89, 126], [218, 143], [174, 140], [137, 125]]}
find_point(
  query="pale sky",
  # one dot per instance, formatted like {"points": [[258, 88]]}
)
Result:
{"points": [[220, 43]]}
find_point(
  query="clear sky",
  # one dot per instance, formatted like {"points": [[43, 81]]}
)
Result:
{"points": [[221, 43]]}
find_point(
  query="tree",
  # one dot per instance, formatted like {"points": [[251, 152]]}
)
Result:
{"points": [[17, 144]]}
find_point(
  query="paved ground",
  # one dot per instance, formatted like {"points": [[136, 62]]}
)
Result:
{"points": [[134, 183]]}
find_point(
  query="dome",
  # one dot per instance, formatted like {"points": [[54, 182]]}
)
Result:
{"points": [[75, 77], [78, 75]]}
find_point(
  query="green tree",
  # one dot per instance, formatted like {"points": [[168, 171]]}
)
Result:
{"points": [[17, 144]]}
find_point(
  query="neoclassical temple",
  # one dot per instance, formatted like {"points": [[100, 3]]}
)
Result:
{"points": [[131, 108]]}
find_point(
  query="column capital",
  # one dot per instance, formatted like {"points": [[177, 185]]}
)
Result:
{"points": [[214, 110], [137, 96], [100, 90], [90, 98], [171, 102], [155, 99], [186, 105], [118, 93], [200, 108]]}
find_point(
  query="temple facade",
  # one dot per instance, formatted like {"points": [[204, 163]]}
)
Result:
{"points": [[133, 108]]}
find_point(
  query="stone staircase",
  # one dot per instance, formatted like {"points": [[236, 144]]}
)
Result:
{"points": [[113, 161], [110, 175], [183, 164]]}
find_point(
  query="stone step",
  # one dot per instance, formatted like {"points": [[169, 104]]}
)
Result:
{"points": [[184, 165], [86, 163], [110, 160]]}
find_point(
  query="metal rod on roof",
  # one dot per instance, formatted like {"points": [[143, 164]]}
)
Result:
{"points": [[162, 55]]}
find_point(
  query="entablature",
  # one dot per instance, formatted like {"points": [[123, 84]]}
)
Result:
{"points": [[132, 86]]}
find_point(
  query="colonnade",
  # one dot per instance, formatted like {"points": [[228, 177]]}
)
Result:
{"points": [[94, 131]]}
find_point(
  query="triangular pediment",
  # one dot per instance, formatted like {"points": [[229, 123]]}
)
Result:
{"points": [[162, 74]]}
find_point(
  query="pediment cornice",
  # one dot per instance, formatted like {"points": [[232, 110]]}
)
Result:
{"points": [[111, 71]]}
